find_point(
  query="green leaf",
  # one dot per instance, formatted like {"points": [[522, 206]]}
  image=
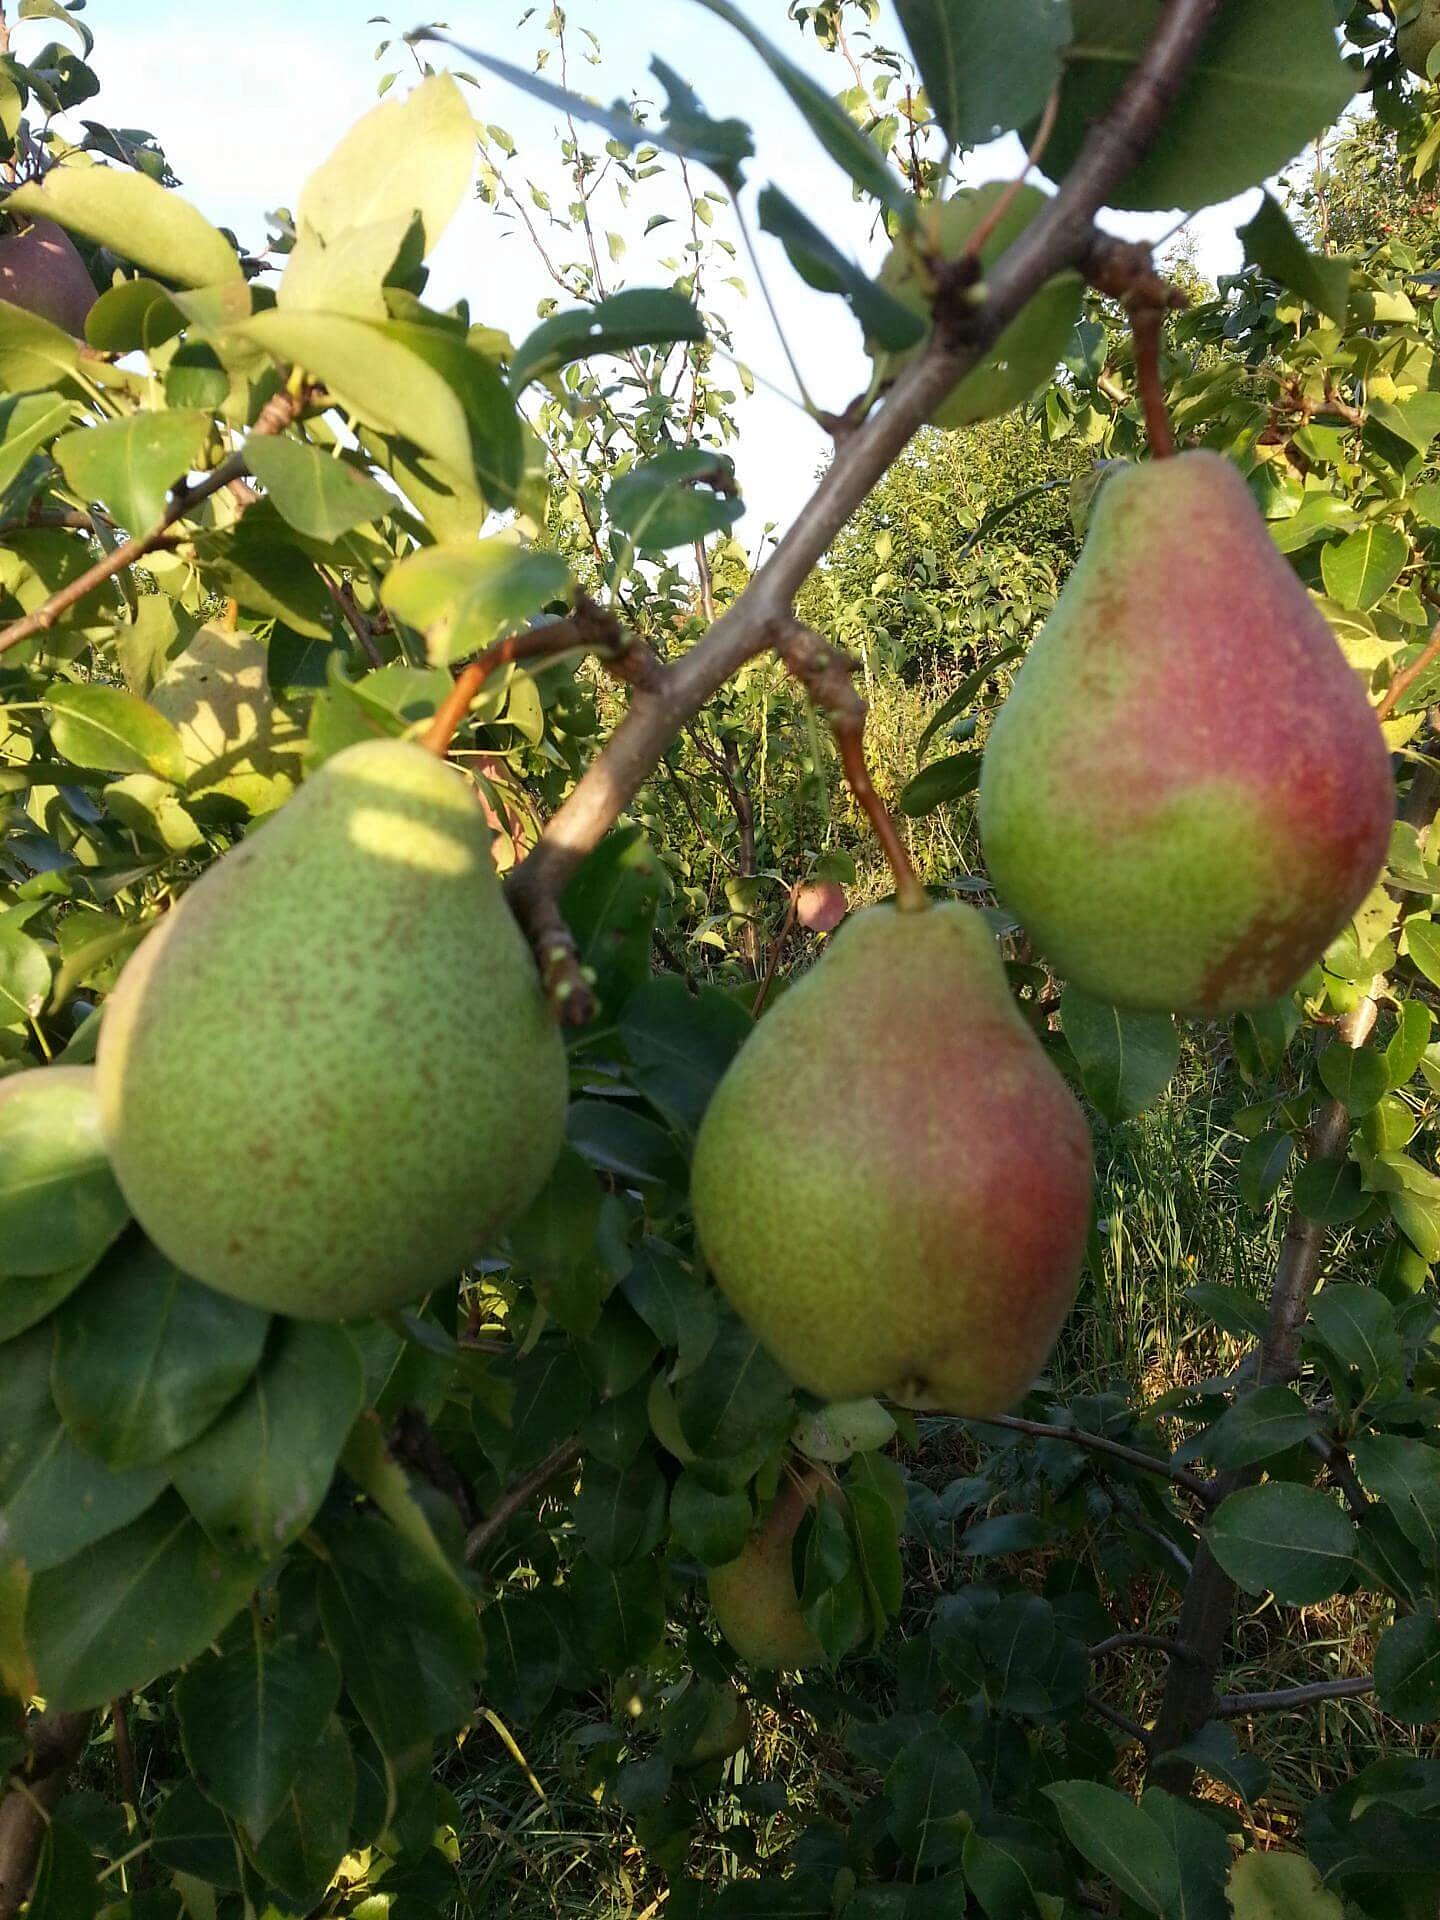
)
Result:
{"points": [[709, 1526], [619, 1512], [1406, 1047], [1266, 81], [737, 1398], [1261, 1423], [53, 10], [1292, 1541], [1217, 1752], [1405, 1474], [988, 65], [960, 700], [137, 219], [1280, 1886], [673, 1302], [620, 1612], [675, 498], [639, 317], [1202, 1854], [65, 1885], [146, 1358], [680, 1045], [1357, 1325], [24, 986], [609, 906], [1272, 245], [59, 1204], [821, 264], [935, 1796], [318, 495], [404, 157], [1126, 1060], [250, 1714], [133, 317], [1356, 1076], [34, 354], [131, 465], [1330, 1192], [311, 1834], [256, 1478], [54, 1499], [554, 1243], [1361, 569], [193, 1838], [1407, 1669], [405, 1635], [940, 783], [1109, 1830], [837, 133], [95, 726], [28, 421], [465, 598], [1422, 943], [258, 562], [1263, 1165], [133, 1606]]}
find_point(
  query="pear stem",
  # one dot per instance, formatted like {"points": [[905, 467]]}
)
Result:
{"points": [[589, 628], [1146, 326], [827, 675]]}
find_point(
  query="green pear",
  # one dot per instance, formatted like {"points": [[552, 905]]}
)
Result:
{"points": [[754, 1600], [1419, 33], [726, 1730], [330, 1076], [238, 744], [892, 1182], [1187, 794], [41, 271], [1025, 355]]}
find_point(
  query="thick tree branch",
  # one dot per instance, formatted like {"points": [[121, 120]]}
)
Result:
{"points": [[1230, 1705], [1061, 238], [1203, 1490], [56, 1742], [279, 412]]}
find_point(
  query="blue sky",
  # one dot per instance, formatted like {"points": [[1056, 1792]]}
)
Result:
{"points": [[248, 95]]}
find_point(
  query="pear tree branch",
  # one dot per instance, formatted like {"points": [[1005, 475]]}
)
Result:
{"points": [[279, 412], [1204, 1491], [515, 1498], [56, 1742], [1061, 238], [1230, 1706]]}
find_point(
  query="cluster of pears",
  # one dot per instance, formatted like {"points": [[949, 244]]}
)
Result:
{"points": [[330, 1074]]}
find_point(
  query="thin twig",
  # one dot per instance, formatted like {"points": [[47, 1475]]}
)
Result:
{"points": [[1407, 676], [1147, 327], [975, 244], [1203, 1490], [1132, 1729], [279, 412], [125, 1754], [772, 959], [519, 1496], [1153, 1642], [1230, 1705]]}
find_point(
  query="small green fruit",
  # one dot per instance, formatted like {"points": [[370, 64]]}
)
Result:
{"points": [[892, 1183], [1187, 794], [330, 1076]]}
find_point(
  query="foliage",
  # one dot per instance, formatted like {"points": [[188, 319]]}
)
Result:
{"points": [[262, 514]]}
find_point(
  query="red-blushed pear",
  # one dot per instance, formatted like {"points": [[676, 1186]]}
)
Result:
{"points": [[892, 1182], [330, 1076], [820, 905], [41, 271], [1187, 794]]}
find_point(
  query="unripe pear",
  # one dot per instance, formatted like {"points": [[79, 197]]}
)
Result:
{"points": [[330, 1075], [1187, 794], [41, 271], [754, 1600], [726, 1730], [892, 1182]]}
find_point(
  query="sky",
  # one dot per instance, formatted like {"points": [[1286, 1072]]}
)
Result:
{"points": [[247, 96]]}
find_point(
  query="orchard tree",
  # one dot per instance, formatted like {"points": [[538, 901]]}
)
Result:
{"points": [[424, 1298]]}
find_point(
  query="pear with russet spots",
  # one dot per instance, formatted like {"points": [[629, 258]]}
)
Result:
{"points": [[1187, 794]]}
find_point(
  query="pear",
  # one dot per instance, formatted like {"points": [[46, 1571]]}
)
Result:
{"points": [[330, 1076], [725, 1732], [1187, 794], [1419, 33], [41, 271], [238, 744], [892, 1182], [754, 1600]]}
